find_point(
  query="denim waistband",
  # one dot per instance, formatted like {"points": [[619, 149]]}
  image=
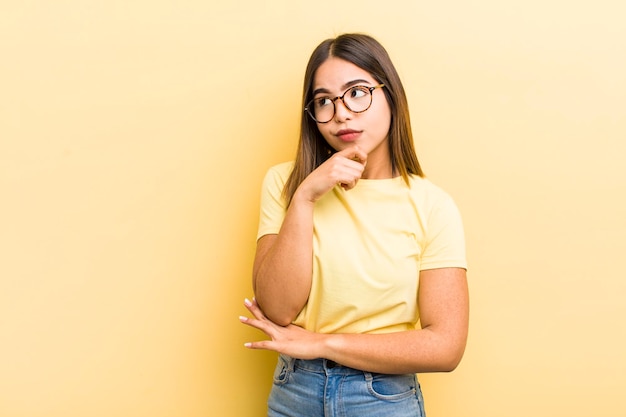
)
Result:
{"points": [[320, 365]]}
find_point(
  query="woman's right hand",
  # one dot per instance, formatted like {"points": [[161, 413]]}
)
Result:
{"points": [[344, 168]]}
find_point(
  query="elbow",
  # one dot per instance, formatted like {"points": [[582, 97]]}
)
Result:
{"points": [[448, 348], [280, 316], [450, 364], [451, 360], [445, 356], [281, 321]]}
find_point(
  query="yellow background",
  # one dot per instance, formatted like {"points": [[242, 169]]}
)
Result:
{"points": [[133, 139]]}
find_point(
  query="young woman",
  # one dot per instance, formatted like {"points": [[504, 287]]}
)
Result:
{"points": [[360, 272]]}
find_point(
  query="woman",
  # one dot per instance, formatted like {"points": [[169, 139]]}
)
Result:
{"points": [[346, 234]]}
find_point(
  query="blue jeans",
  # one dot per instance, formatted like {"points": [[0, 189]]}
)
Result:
{"points": [[322, 388]]}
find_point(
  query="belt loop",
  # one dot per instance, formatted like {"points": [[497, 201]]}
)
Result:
{"points": [[289, 361]]}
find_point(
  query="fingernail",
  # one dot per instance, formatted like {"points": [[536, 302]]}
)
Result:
{"points": [[247, 302], [247, 344], [243, 318]]}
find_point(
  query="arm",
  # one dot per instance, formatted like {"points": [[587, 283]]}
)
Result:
{"points": [[437, 347], [283, 264]]}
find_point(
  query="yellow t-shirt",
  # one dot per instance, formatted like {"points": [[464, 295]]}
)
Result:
{"points": [[369, 244]]}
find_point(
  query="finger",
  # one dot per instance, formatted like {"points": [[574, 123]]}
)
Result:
{"points": [[348, 185], [253, 307], [262, 344], [354, 153], [359, 155], [349, 174], [262, 325]]}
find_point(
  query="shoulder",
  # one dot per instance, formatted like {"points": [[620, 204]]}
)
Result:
{"points": [[433, 201], [280, 171], [276, 177], [426, 191]]}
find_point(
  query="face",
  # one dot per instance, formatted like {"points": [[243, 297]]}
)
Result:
{"points": [[369, 129]]}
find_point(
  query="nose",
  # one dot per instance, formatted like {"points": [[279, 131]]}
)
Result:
{"points": [[341, 111]]}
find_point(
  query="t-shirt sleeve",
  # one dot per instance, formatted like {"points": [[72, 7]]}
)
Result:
{"points": [[445, 243], [273, 206]]}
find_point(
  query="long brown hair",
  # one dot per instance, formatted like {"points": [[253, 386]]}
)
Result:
{"points": [[368, 54]]}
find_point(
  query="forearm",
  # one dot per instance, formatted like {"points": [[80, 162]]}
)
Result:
{"points": [[438, 347], [412, 351], [282, 275]]}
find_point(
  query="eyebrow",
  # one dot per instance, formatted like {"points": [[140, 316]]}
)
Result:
{"points": [[343, 87]]}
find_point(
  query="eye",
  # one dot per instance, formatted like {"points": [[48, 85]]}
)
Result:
{"points": [[322, 102], [358, 92]]}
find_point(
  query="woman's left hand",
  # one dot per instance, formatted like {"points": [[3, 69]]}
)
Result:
{"points": [[290, 340]]}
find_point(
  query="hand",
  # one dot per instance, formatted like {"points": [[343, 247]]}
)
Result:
{"points": [[344, 167], [290, 340]]}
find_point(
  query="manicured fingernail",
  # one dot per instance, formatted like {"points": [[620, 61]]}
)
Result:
{"points": [[243, 318], [247, 302], [247, 344]]}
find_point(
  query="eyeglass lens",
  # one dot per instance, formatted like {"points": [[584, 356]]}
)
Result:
{"points": [[357, 99]]}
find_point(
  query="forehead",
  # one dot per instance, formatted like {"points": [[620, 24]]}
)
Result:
{"points": [[335, 73]]}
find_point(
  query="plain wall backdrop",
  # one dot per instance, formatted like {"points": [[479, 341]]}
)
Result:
{"points": [[134, 136]]}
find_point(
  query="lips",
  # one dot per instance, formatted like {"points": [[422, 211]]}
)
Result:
{"points": [[348, 135]]}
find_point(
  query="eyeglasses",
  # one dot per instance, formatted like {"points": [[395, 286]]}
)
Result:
{"points": [[357, 99]]}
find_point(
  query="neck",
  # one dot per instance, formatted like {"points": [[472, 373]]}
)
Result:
{"points": [[375, 171]]}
